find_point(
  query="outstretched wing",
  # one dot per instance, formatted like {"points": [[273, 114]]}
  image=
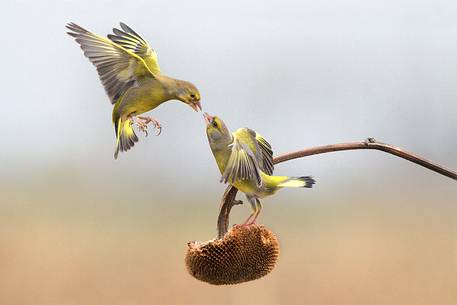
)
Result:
{"points": [[259, 146], [242, 165], [118, 68], [267, 154], [130, 40]]}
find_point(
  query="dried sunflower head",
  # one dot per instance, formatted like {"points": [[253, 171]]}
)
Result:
{"points": [[244, 254]]}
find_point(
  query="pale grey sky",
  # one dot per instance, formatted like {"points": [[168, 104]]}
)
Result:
{"points": [[302, 73]]}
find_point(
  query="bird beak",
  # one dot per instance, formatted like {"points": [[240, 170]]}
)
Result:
{"points": [[207, 117], [196, 106]]}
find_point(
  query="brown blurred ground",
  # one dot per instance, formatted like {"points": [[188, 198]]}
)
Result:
{"points": [[62, 242]]}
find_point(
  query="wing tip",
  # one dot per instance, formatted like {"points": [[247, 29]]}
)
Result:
{"points": [[127, 29], [76, 29]]}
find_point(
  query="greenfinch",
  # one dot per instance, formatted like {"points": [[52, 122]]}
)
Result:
{"points": [[245, 160], [129, 71]]}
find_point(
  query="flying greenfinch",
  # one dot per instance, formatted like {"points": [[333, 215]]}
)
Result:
{"points": [[129, 71], [245, 160]]}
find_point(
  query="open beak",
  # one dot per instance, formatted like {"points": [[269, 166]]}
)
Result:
{"points": [[196, 106], [207, 117]]}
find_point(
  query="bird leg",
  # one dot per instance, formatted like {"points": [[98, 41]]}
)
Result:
{"points": [[247, 221], [143, 121], [257, 211], [256, 208]]}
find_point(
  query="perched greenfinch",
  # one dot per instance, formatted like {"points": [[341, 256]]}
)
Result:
{"points": [[245, 160], [129, 71]]}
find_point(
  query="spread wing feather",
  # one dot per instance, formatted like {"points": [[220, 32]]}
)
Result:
{"points": [[267, 154], [130, 40], [242, 165], [259, 146], [118, 67]]}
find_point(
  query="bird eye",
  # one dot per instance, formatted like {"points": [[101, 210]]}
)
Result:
{"points": [[214, 123], [192, 96]]}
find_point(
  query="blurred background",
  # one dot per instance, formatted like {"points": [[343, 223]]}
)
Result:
{"points": [[78, 227]]}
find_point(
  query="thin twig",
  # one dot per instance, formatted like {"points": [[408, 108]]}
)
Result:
{"points": [[228, 199], [370, 143]]}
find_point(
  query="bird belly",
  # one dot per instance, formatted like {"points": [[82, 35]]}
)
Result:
{"points": [[249, 187], [141, 99]]}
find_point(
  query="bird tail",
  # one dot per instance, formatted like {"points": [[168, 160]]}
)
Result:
{"points": [[125, 136], [305, 181]]}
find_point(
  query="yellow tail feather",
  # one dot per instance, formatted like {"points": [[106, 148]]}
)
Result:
{"points": [[125, 137], [306, 181]]}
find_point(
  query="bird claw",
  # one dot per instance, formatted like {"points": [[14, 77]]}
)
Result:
{"points": [[142, 124], [143, 127], [159, 130]]}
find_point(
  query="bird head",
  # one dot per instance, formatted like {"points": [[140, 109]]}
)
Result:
{"points": [[189, 94], [218, 134]]}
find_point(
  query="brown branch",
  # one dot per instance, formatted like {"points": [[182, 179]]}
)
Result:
{"points": [[228, 199], [370, 143]]}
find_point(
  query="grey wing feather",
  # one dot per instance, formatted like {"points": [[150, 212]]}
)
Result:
{"points": [[263, 152], [131, 40], [267, 154], [115, 66]]}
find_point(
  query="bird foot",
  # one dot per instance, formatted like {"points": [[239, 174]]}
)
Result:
{"points": [[143, 121], [251, 219], [252, 222]]}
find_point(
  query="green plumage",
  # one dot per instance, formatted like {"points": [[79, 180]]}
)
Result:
{"points": [[129, 71], [245, 160]]}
